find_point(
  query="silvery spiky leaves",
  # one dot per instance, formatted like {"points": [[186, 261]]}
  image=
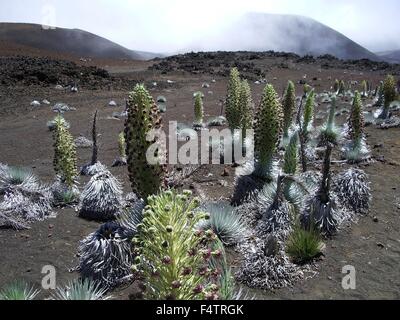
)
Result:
{"points": [[389, 93], [121, 160], [24, 201], [143, 117], [83, 142], [64, 154], [356, 150], [308, 115], [265, 265], [289, 102], [106, 256], [81, 290], [174, 257], [353, 189], [18, 290], [216, 121], [232, 107], [101, 199], [226, 223], [267, 131], [132, 216], [198, 111], [329, 132]]}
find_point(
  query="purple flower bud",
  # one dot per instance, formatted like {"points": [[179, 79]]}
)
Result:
{"points": [[199, 289], [187, 271], [176, 284], [166, 260]]}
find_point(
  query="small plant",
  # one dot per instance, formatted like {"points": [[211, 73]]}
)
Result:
{"points": [[329, 132], [81, 290], [342, 88], [246, 104], [308, 114], [336, 86], [16, 176], [268, 123], [143, 116], [101, 199], [232, 107], [106, 255], [356, 150], [121, 160], [198, 110], [364, 89], [303, 245], [64, 154], [319, 209], [174, 257], [226, 224], [289, 102], [389, 93], [18, 290]]}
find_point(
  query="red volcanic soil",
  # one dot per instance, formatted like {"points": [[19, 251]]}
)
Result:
{"points": [[372, 246]]}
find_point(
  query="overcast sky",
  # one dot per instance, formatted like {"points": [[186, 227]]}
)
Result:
{"points": [[170, 25]]}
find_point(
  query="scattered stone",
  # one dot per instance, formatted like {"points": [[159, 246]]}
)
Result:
{"points": [[380, 145], [74, 89], [35, 103], [59, 87], [62, 107], [375, 219], [45, 101], [380, 245], [223, 183], [225, 173], [112, 103], [205, 85]]}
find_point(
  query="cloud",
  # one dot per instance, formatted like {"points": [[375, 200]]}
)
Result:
{"points": [[165, 26]]}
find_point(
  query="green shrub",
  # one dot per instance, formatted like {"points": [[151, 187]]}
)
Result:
{"points": [[172, 256], [303, 245], [64, 154], [268, 123], [245, 103], [308, 113], [389, 93]]}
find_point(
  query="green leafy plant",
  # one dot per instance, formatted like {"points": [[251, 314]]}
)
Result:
{"points": [[336, 86], [268, 123], [143, 116], [232, 108], [342, 88], [64, 154], [18, 290], [172, 256], [303, 245]]}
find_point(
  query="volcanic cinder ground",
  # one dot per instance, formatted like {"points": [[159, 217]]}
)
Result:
{"points": [[372, 245]]}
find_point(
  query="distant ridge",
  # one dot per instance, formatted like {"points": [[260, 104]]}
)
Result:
{"points": [[285, 33], [67, 41]]}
